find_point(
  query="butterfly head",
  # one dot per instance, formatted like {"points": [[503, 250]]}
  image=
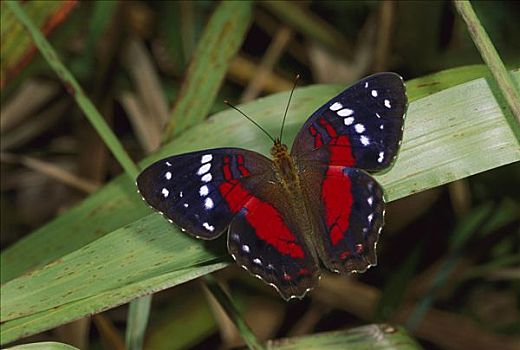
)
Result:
{"points": [[279, 149]]}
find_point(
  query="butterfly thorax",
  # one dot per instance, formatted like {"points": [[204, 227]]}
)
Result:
{"points": [[285, 166]]}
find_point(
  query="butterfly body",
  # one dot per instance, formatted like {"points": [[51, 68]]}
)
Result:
{"points": [[286, 214]]}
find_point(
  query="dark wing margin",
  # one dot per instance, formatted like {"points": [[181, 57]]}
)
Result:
{"points": [[361, 127], [191, 189]]}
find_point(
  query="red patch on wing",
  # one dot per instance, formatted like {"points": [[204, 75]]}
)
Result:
{"points": [[234, 194], [344, 255], [341, 152], [317, 137], [328, 128], [339, 146], [227, 169], [262, 216], [270, 227], [243, 170], [337, 199]]}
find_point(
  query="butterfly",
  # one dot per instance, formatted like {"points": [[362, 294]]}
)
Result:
{"points": [[316, 202]]}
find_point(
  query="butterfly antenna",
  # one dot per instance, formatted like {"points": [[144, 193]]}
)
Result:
{"points": [[251, 120], [288, 103]]}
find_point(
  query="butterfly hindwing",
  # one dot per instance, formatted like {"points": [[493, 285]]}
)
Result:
{"points": [[266, 237], [193, 189], [350, 206], [361, 127]]}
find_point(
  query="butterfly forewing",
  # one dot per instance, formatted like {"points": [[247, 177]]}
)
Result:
{"points": [[361, 127], [193, 190]]}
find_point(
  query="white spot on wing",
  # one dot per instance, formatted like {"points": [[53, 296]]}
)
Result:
{"points": [[370, 200], [186, 205], [377, 115], [370, 217], [257, 261], [387, 104], [382, 127], [206, 158], [364, 140], [165, 192], [204, 190], [345, 112], [208, 227], [180, 194], [366, 85], [204, 169], [374, 93], [381, 157], [168, 163], [207, 177], [359, 128], [208, 203], [245, 248], [168, 175], [336, 106], [348, 121]]}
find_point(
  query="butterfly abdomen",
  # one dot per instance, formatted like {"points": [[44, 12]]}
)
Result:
{"points": [[294, 198]]}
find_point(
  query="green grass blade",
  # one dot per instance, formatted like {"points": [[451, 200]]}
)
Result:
{"points": [[117, 203], [43, 346], [17, 47], [371, 337], [221, 40], [97, 121], [310, 25], [490, 56], [449, 135], [137, 320], [233, 313], [187, 318], [467, 230], [110, 271]]}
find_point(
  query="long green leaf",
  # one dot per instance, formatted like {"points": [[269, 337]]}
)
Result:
{"points": [[98, 276], [449, 135], [117, 203], [221, 40], [373, 337], [43, 346]]}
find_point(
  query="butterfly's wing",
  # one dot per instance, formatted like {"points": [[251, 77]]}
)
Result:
{"points": [[191, 189], [267, 238], [349, 208], [204, 192], [361, 127]]}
